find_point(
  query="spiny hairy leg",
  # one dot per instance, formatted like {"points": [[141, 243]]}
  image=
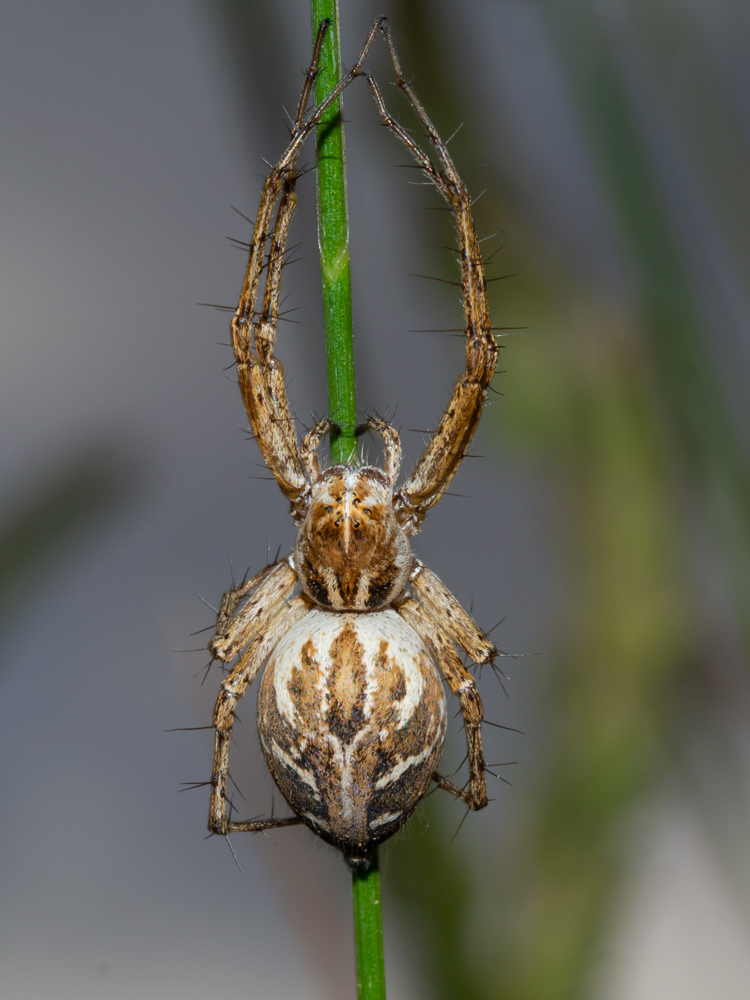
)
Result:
{"points": [[234, 629], [261, 376], [447, 446], [259, 825], [260, 373], [462, 684], [234, 686], [445, 609]]}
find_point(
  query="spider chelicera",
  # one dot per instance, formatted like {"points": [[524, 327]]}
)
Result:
{"points": [[351, 707]]}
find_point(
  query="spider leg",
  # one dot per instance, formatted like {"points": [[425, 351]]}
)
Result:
{"points": [[261, 374], [234, 629], [276, 620], [447, 446], [231, 599], [445, 609], [258, 825], [428, 626]]}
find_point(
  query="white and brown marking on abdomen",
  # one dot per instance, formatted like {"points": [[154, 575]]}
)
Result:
{"points": [[351, 718]]}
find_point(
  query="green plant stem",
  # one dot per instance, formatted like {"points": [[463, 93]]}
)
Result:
{"points": [[333, 239], [368, 933]]}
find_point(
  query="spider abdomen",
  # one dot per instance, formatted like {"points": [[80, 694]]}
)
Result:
{"points": [[351, 718]]}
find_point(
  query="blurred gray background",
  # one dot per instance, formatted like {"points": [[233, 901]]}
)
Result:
{"points": [[607, 521]]}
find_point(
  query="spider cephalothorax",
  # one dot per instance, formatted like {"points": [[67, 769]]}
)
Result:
{"points": [[351, 553], [351, 707]]}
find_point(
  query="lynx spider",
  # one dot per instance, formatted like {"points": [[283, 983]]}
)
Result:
{"points": [[351, 707]]}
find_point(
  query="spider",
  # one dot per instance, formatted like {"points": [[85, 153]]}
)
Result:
{"points": [[351, 706]]}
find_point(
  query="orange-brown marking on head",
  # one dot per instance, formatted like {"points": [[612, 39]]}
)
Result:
{"points": [[351, 530]]}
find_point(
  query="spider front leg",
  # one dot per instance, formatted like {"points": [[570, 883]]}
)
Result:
{"points": [[428, 626], [276, 620], [447, 447], [260, 373]]}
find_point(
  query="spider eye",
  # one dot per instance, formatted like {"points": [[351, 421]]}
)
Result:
{"points": [[367, 510], [328, 509]]}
